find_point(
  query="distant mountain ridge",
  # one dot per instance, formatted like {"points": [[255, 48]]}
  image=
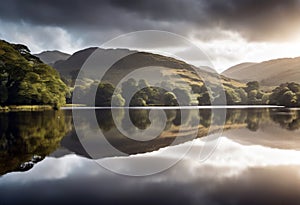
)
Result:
{"points": [[239, 67], [268, 73], [50, 57], [70, 67]]}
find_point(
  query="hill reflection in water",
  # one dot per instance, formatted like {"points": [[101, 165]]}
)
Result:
{"points": [[27, 137]]}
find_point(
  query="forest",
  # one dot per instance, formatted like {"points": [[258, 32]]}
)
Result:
{"points": [[287, 94], [26, 80]]}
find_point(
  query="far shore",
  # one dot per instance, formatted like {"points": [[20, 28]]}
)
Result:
{"points": [[19, 108], [173, 107]]}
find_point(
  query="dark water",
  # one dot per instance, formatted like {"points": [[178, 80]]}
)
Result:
{"points": [[256, 159]]}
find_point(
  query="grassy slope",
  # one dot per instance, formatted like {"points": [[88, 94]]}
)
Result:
{"points": [[268, 73]]}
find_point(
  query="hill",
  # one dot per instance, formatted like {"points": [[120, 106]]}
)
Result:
{"points": [[267, 73], [238, 67], [70, 67], [50, 57], [176, 75], [26, 80]]}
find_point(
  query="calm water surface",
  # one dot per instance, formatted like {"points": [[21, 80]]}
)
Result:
{"points": [[256, 161]]}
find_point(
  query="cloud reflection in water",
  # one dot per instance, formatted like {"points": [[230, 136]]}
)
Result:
{"points": [[235, 173]]}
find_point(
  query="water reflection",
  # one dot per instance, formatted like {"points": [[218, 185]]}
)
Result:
{"points": [[235, 174], [186, 120], [27, 137], [238, 172], [276, 128], [288, 119]]}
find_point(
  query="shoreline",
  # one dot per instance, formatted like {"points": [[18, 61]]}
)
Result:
{"points": [[33, 108], [19, 108], [24, 108], [172, 107]]}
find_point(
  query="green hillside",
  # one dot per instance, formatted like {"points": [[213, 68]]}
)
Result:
{"points": [[26, 80]]}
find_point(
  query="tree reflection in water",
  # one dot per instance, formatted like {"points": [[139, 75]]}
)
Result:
{"points": [[185, 120], [27, 137], [287, 119]]}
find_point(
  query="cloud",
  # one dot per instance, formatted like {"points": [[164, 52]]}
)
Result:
{"points": [[38, 37], [255, 20]]}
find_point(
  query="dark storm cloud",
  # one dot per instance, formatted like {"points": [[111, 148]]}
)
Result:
{"points": [[63, 13], [253, 19]]}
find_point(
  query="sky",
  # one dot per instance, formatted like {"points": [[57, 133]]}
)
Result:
{"points": [[229, 32]]}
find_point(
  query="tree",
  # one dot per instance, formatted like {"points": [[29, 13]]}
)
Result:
{"points": [[104, 94], [243, 95], [286, 94], [289, 98], [294, 87], [252, 85], [138, 102], [232, 97], [26, 80], [182, 96], [204, 99], [252, 100], [169, 99]]}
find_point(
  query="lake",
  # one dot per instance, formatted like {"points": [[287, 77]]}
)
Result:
{"points": [[191, 156]]}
